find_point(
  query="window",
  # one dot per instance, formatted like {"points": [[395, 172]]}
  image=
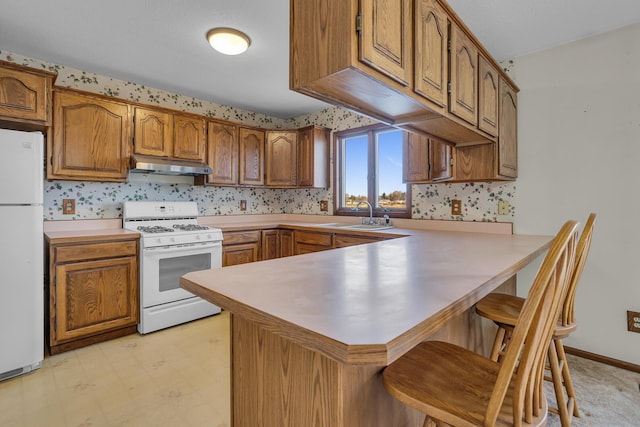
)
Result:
{"points": [[369, 169]]}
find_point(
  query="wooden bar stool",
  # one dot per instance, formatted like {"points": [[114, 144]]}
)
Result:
{"points": [[456, 386], [504, 310]]}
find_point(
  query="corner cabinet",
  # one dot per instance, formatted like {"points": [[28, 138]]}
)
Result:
{"points": [[313, 157], [426, 160], [25, 97], [90, 140], [93, 290]]}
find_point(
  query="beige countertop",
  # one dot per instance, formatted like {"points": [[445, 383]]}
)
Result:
{"points": [[368, 304]]}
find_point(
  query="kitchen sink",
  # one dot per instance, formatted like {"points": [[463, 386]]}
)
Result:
{"points": [[355, 226]]}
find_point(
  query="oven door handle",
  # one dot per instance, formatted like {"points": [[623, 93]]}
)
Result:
{"points": [[183, 248]]}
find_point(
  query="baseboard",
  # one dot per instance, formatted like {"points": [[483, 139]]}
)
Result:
{"points": [[603, 359]]}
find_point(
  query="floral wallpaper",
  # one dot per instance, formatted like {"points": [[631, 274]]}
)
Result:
{"points": [[96, 200]]}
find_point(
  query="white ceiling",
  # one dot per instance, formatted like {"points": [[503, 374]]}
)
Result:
{"points": [[161, 43]]}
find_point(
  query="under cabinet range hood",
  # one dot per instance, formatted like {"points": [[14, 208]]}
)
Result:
{"points": [[159, 165]]}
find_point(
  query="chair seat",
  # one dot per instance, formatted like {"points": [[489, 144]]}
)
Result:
{"points": [[451, 384], [504, 310]]}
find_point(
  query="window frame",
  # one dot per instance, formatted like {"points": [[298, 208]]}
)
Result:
{"points": [[338, 150]]}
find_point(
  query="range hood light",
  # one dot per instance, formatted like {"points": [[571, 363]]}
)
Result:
{"points": [[228, 41]]}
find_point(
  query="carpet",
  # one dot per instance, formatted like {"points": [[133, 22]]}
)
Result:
{"points": [[607, 396]]}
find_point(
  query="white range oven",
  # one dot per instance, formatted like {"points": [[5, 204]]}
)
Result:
{"points": [[172, 244]]}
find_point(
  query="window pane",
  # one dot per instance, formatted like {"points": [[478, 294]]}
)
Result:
{"points": [[355, 170], [390, 190]]}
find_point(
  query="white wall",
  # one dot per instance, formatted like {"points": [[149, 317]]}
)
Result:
{"points": [[579, 152]]}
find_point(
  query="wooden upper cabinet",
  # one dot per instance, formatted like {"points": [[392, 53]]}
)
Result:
{"points": [[281, 158], [251, 156], [431, 52], [222, 153], [488, 98], [386, 37], [90, 140], [440, 165], [152, 132], [313, 157], [425, 159], [162, 133], [463, 101], [189, 137], [25, 96], [507, 151]]}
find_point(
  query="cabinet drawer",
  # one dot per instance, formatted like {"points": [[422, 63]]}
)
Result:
{"points": [[342, 240], [322, 239], [236, 237], [95, 251]]}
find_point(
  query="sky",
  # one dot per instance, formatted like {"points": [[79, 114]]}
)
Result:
{"points": [[389, 160]]}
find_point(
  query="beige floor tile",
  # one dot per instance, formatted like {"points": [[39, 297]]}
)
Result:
{"points": [[171, 378]]}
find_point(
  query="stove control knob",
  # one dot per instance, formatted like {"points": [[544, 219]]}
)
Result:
{"points": [[158, 240], [197, 237], [172, 240]]}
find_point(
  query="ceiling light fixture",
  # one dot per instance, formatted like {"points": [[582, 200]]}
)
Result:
{"points": [[228, 40]]}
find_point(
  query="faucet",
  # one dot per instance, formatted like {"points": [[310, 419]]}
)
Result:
{"points": [[370, 211]]}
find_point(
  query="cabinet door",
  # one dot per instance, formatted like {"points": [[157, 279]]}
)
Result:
{"points": [[152, 132], [270, 247], [24, 95], [440, 167], [90, 138], [488, 98], [188, 138], [415, 158], [281, 159], [287, 243], [92, 297], [508, 135], [222, 153], [240, 254], [251, 157], [386, 37], [464, 76], [431, 54], [344, 240], [313, 157]]}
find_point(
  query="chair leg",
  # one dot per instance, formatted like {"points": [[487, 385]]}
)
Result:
{"points": [[556, 376], [497, 343], [566, 377], [430, 422]]}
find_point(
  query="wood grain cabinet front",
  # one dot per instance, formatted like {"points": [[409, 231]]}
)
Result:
{"points": [[426, 159], [251, 156], [312, 241], [91, 136], [162, 133], [93, 292], [240, 247], [25, 97], [281, 158]]}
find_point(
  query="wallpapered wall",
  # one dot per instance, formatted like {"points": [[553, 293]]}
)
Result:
{"points": [[103, 200]]}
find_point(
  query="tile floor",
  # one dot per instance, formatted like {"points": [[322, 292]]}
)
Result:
{"points": [[175, 377]]}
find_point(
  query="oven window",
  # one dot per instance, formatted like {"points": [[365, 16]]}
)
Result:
{"points": [[171, 269]]}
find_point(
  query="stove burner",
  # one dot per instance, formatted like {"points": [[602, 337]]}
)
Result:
{"points": [[154, 229], [190, 227]]}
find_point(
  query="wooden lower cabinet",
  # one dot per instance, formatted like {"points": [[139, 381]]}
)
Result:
{"points": [[240, 247], [93, 291], [310, 241], [287, 243], [344, 240]]}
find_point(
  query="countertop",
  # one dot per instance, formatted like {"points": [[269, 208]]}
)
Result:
{"points": [[368, 304]]}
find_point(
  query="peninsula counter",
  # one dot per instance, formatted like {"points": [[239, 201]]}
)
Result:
{"points": [[311, 334]]}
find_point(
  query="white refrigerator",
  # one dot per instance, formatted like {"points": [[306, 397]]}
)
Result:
{"points": [[21, 252]]}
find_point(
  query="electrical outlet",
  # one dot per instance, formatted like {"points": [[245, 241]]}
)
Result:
{"points": [[324, 205], [504, 208], [68, 206], [633, 321], [243, 205], [456, 207]]}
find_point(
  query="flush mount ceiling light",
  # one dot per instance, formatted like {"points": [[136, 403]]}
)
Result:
{"points": [[228, 40]]}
